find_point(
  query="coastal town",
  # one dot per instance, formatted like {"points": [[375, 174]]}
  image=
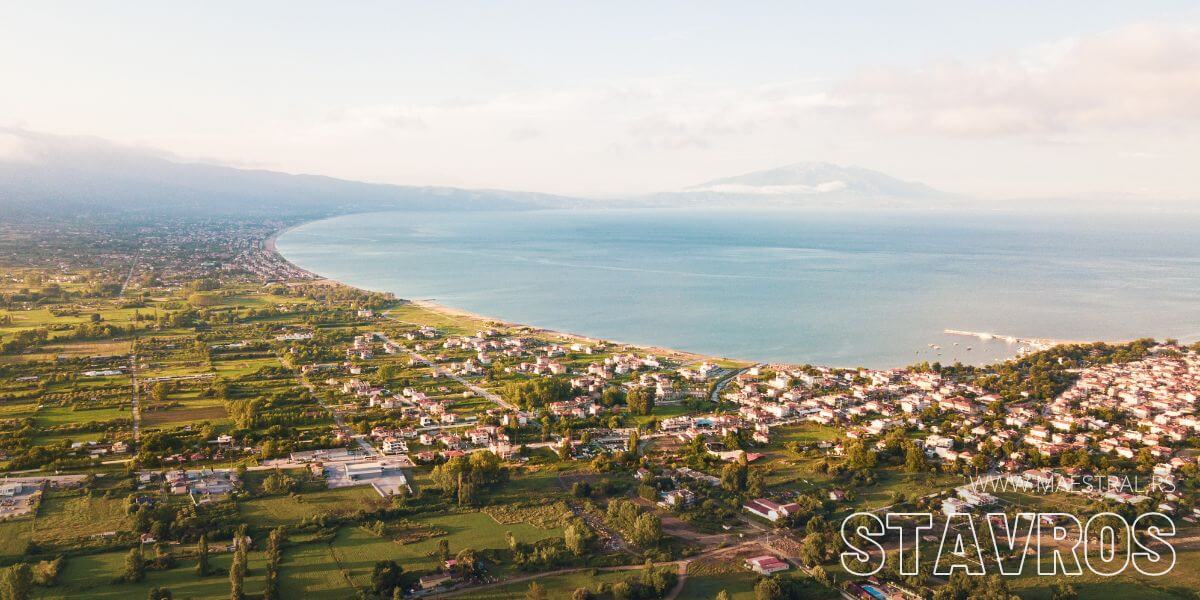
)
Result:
{"points": [[201, 416]]}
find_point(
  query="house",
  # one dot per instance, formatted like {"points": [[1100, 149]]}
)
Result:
{"points": [[677, 498], [765, 565], [769, 510], [429, 582], [954, 506], [392, 445], [362, 470]]}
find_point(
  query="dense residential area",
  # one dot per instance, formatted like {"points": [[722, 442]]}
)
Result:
{"points": [[184, 414]]}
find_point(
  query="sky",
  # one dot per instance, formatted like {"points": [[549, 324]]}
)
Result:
{"points": [[605, 99]]}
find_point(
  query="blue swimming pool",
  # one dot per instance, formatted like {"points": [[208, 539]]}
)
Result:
{"points": [[874, 592]]}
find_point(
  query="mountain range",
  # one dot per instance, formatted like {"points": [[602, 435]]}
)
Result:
{"points": [[47, 174]]}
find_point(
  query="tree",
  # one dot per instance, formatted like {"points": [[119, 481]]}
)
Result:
{"points": [[202, 568], [812, 549], [135, 566], [632, 446], [756, 483], [723, 595], [859, 456], [1064, 591], [914, 458], [511, 540], [278, 482], [159, 593], [768, 589], [465, 561], [535, 592], [237, 570], [641, 400], [647, 530], [581, 594], [622, 590], [574, 539], [274, 554], [386, 577], [733, 477], [443, 551], [16, 582]]}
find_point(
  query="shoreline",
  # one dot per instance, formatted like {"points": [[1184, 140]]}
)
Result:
{"points": [[269, 245]]}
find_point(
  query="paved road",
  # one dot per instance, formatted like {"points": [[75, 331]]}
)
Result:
{"points": [[724, 381], [495, 398], [129, 277], [337, 416], [134, 406]]}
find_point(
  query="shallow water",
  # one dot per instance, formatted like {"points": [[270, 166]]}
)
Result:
{"points": [[804, 286]]}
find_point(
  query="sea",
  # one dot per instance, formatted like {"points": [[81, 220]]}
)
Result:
{"points": [[841, 288]]}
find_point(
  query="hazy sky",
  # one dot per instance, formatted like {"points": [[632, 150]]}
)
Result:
{"points": [[605, 98]]}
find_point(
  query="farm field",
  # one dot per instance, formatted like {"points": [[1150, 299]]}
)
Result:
{"points": [[63, 517], [273, 511], [556, 586], [15, 536], [89, 576], [356, 549]]}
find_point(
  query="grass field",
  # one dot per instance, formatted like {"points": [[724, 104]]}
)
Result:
{"points": [[803, 433], [273, 511], [232, 369], [740, 585], [90, 576], [59, 415], [911, 485], [192, 412], [454, 324], [14, 537], [62, 518], [557, 586], [309, 571], [357, 550]]}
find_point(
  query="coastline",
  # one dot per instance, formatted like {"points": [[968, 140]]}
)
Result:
{"points": [[269, 245], [1035, 344]]}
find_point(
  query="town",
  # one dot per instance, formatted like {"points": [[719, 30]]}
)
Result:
{"points": [[186, 414]]}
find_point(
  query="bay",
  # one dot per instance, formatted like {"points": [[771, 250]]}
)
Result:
{"points": [[843, 288]]}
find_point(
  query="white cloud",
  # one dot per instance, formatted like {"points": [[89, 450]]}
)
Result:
{"points": [[1145, 75]]}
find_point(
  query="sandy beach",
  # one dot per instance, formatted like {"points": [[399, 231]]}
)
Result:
{"points": [[269, 245]]}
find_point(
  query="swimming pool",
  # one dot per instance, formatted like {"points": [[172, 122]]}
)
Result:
{"points": [[874, 592]]}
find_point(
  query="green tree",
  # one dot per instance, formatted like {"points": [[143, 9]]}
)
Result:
{"points": [[159, 593], [859, 457], [574, 539], [1063, 591], [914, 458], [16, 582], [641, 400], [237, 570], [202, 567], [385, 577], [135, 566], [535, 592], [768, 589]]}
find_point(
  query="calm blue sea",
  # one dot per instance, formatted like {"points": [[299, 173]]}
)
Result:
{"points": [[804, 286]]}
